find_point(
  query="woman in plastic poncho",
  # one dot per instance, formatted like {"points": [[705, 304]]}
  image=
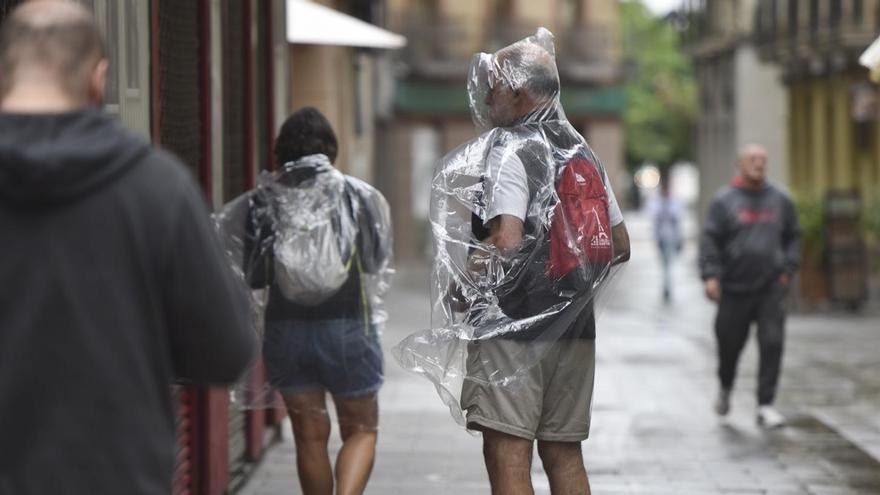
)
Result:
{"points": [[332, 345]]}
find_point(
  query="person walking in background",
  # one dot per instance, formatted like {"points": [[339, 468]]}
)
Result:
{"points": [[114, 280], [315, 238], [749, 251], [667, 232]]}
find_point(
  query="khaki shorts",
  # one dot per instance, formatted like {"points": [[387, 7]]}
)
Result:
{"points": [[551, 400]]}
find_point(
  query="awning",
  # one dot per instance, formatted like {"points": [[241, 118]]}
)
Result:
{"points": [[314, 24], [871, 59]]}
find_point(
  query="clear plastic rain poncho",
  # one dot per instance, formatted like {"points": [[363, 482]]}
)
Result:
{"points": [[314, 246], [520, 222]]}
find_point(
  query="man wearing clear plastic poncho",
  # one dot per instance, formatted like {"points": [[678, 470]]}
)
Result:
{"points": [[526, 231]]}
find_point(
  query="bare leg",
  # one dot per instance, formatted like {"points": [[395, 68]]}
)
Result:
{"points": [[564, 464], [358, 424], [311, 431], [509, 463]]}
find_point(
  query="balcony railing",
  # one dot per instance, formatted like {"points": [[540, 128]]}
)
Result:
{"points": [[787, 29], [442, 48]]}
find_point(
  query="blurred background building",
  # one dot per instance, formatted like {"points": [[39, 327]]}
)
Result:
{"points": [[335, 56], [426, 113], [741, 99], [832, 132], [833, 136]]}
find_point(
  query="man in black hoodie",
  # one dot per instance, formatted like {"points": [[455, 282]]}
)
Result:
{"points": [[113, 280], [749, 250]]}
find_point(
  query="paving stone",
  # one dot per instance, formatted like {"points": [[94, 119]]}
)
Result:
{"points": [[653, 431]]}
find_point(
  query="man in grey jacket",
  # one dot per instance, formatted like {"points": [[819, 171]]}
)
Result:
{"points": [[750, 248]]}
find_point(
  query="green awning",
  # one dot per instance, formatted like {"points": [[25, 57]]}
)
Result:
{"points": [[436, 98]]}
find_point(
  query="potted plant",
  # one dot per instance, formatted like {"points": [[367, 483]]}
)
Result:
{"points": [[813, 282], [871, 233]]}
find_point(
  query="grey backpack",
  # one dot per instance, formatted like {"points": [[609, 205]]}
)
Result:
{"points": [[314, 239]]}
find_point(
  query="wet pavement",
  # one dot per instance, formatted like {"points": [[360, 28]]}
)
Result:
{"points": [[654, 431]]}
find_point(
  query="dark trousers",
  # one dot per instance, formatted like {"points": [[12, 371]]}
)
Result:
{"points": [[736, 312]]}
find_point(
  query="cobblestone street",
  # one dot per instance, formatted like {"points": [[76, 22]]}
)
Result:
{"points": [[654, 431]]}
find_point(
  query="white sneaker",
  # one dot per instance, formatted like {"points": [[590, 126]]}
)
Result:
{"points": [[769, 417], [722, 403]]}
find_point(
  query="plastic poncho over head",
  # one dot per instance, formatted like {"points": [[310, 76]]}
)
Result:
{"points": [[308, 237], [520, 223]]}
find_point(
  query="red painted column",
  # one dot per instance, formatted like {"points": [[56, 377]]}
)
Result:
{"points": [[214, 441], [270, 83], [249, 114], [255, 419], [214, 400]]}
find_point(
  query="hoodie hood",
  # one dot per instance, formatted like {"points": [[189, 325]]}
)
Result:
{"points": [[55, 158]]}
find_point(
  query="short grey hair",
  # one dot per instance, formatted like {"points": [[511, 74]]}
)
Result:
{"points": [[750, 148], [530, 67]]}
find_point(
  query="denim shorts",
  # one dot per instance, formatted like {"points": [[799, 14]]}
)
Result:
{"points": [[342, 356]]}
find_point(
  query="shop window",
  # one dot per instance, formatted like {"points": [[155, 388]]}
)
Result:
{"points": [[124, 25]]}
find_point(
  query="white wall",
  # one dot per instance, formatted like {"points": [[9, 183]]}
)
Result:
{"points": [[425, 151], [606, 139], [762, 110], [716, 129]]}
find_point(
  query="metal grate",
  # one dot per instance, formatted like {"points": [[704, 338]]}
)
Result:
{"points": [[184, 469], [233, 100], [180, 81]]}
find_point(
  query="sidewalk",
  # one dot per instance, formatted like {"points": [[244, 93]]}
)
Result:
{"points": [[654, 431]]}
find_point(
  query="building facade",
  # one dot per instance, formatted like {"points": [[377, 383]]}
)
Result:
{"points": [[741, 98], [834, 138], [422, 104], [339, 75]]}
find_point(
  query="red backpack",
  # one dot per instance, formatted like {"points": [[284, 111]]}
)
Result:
{"points": [[581, 215], [546, 273]]}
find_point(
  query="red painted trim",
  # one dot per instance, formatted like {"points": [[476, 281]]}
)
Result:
{"points": [[214, 441], [249, 173], [257, 419], [270, 84], [156, 72], [205, 81]]}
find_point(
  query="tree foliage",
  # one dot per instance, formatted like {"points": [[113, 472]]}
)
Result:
{"points": [[660, 89]]}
